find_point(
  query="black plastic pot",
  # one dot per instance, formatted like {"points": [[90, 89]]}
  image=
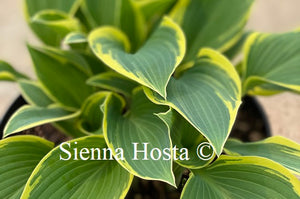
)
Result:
{"points": [[251, 122], [13, 108]]}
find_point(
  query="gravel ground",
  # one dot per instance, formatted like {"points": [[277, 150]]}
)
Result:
{"points": [[267, 16]]}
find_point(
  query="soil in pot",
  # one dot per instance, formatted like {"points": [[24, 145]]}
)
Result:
{"points": [[251, 123]]}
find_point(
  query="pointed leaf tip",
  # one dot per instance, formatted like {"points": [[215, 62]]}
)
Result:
{"points": [[166, 45]]}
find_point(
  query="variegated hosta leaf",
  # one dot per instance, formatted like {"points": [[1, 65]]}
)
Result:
{"points": [[19, 155], [235, 50], [153, 64], [34, 93], [74, 170], [184, 135], [136, 130], [30, 116], [77, 41], [90, 120], [34, 6], [178, 171], [153, 10], [62, 74], [52, 26], [122, 14], [78, 59], [242, 177], [96, 65], [70, 127], [207, 94], [278, 149], [75, 38], [8, 73], [211, 23], [114, 82], [271, 63]]}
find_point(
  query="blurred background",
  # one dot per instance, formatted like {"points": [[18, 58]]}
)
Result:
{"points": [[283, 110]]}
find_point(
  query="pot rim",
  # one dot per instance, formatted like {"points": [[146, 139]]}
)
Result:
{"points": [[17, 103]]}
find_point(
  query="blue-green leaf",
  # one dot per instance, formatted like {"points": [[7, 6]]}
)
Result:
{"points": [[278, 149], [271, 63], [153, 64], [216, 24], [207, 93], [122, 14], [139, 129], [66, 172], [242, 177], [19, 155], [30, 116], [61, 75]]}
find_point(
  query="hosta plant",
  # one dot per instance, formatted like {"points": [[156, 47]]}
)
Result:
{"points": [[146, 88]]}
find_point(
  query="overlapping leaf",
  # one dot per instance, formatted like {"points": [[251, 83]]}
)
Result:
{"points": [[153, 10], [19, 155], [77, 41], [62, 174], [96, 66], [75, 38], [211, 23], [52, 26], [178, 171], [139, 125], [30, 116], [122, 14], [62, 74], [242, 177], [8, 73], [185, 136], [34, 6], [114, 82], [207, 94], [34, 94], [271, 63], [153, 64], [278, 149], [70, 127], [78, 59], [52, 20], [235, 50], [90, 120]]}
